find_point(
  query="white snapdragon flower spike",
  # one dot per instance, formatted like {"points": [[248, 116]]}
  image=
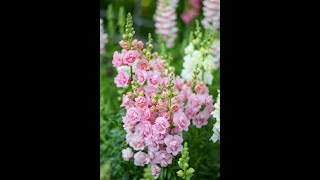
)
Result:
{"points": [[165, 18], [216, 114], [211, 13], [194, 57], [103, 38]]}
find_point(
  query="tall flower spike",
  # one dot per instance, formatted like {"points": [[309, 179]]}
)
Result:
{"points": [[165, 18], [103, 38], [216, 114], [121, 20], [186, 173], [211, 13], [110, 21]]}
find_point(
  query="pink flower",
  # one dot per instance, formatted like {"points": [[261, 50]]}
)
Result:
{"points": [[133, 114], [164, 158], [129, 136], [174, 108], [181, 121], [126, 101], [137, 142], [140, 159], [141, 76], [144, 129], [122, 79], [201, 119], [127, 154], [143, 64], [117, 59], [130, 57], [201, 89], [173, 144], [154, 80], [146, 113], [161, 125], [178, 83], [155, 171], [124, 44], [141, 101]]}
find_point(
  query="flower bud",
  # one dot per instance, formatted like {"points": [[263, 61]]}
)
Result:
{"points": [[124, 36], [130, 35], [186, 165], [144, 51], [190, 171], [141, 93], [148, 54], [180, 173], [153, 108], [155, 54], [154, 101]]}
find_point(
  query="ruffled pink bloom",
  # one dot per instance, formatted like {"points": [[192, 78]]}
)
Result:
{"points": [[140, 159], [161, 125], [122, 79], [173, 144], [143, 64], [178, 83], [141, 76], [154, 80], [127, 102], [137, 142], [117, 59], [146, 114], [201, 119], [144, 129], [201, 89], [130, 57], [141, 101], [133, 114], [155, 170], [164, 158], [174, 108], [181, 121], [127, 154]]}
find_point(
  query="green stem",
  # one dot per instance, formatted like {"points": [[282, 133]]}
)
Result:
{"points": [[131, 74]]}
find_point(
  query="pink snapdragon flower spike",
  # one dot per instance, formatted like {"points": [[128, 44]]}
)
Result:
{"points": [[103, 38], [192, 11], [211, 13], [165, 18], [159, 105]]}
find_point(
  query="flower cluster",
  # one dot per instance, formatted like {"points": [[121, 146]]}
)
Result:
{"points": [[216, 114], [199, 60], [191, 12], [165, 18], [155, 113], [211, 13], [103, 38], [200, 105]]}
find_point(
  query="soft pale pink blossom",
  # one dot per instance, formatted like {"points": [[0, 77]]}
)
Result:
{"points": [[122, 79], [127, 154], [173, 144]]}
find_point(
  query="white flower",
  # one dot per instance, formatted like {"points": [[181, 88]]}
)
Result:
{"points": [[103, 38], [189, 49], [195, 58], [216, 114]]}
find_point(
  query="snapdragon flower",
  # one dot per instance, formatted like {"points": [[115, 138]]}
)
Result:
{"points": [[216, 114], [211, 13], [103, 38], [165, 18]]}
